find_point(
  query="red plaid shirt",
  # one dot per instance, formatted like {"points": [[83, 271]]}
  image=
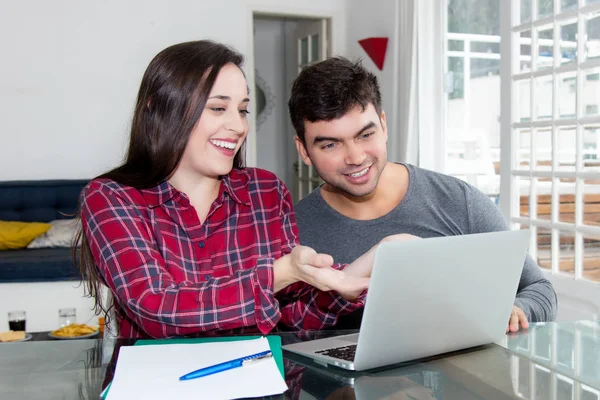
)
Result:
{"points": [[172, 275]]}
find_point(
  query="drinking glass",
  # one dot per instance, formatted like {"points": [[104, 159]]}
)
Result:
{"points": [[16, 320], [67, 316]]}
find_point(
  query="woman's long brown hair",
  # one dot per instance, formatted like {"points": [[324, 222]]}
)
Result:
{"points": [[172, 95]]}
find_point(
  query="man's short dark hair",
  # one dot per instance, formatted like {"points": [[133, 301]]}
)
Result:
{"points": [[329, 89]]}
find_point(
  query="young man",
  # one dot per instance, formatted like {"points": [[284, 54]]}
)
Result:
{"points": [[335, 107]]}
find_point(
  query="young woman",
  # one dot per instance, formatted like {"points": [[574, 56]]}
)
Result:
{"points": [[188, 241]]}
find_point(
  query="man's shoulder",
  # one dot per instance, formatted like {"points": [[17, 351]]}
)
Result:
{"points": [[431, 174], [427, 177], [310, 200], [308, 207]]}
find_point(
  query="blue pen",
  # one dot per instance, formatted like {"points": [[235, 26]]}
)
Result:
{"points": [[199, 373]]}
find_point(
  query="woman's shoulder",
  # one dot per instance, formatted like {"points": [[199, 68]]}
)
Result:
{"points": [[250, 176], [254, 174], [111, 189], [257, 181]]}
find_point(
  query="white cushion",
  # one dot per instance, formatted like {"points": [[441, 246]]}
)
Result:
{"points": [[61, 234]]}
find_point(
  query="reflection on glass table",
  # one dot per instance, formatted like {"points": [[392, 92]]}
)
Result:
{"points": [[549, 361], [557, 361]]}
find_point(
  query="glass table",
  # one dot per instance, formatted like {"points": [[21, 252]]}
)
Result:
{"points": [[548, 361]]}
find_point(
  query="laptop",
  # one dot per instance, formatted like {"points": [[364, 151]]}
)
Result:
{"points": [[428, 297]]}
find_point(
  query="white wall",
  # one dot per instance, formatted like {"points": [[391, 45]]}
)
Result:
{"points": [[377, 18], [71, 69], [272, 137], [41, 302]]}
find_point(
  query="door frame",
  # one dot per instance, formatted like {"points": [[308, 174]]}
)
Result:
{"points": [[335, 29]]}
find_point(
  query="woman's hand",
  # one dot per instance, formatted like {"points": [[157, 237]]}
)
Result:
{"points": [[306, 265]]}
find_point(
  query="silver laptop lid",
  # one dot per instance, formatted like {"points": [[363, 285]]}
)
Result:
{"points": [[432, 296]]}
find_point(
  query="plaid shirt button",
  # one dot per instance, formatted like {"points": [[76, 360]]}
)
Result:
{"points": [[201, 244]]}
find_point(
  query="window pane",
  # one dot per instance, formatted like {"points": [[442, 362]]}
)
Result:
{"points": [[592, 29], [590, 96], [304, 51], [315, 47], [485, 47], [567, 95], [544, 254], [524, 185], [525, 10], [591, 258], [524, 148], [591, 202], [525, 50], [543, 149], [545, 47], [545, 8], [564, 388], [523, 101], [566, 192], [543, 98], [544, 198], [482, 68], [456, 74], [566, 5], [590, 137], [568, 42], [566, 145], [480, 17], [456, 45], [567, 253]]}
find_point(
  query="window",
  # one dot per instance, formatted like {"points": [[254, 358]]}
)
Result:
{"points": [[473, 93], [555, 132]]}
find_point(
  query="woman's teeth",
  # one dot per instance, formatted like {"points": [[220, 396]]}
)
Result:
{"points": [[361, 173], [225, 145]]}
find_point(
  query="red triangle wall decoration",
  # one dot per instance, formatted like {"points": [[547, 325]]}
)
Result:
{"points": [[376, 48]]}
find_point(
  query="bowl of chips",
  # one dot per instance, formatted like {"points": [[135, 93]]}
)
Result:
{"points": [[74, 331]]}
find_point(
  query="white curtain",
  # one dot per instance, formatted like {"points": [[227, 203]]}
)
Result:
{"points": [[407, 135], [420, 62]]}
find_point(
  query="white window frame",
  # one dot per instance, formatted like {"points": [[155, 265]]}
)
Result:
{"points": [[509, 171]]}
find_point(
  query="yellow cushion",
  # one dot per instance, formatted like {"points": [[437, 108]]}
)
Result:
{"points": [[17, 235]]}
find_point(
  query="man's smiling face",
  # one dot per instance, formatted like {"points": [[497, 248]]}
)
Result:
{"points": [[349, 153]]}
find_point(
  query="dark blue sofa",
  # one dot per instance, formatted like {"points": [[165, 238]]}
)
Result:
{"points": [[38, 201]]}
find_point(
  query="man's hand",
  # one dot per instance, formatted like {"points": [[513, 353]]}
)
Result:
{"points": [[517, 320], [363, 265], [306, 265]]}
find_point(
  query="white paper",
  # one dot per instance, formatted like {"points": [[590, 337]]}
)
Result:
{"points": [[153, 371]]}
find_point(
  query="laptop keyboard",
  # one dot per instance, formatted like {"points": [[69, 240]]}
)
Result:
{"points": [[344, 352]]}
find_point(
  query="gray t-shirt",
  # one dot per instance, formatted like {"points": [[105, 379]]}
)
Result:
{"points": [[434, 205]]}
